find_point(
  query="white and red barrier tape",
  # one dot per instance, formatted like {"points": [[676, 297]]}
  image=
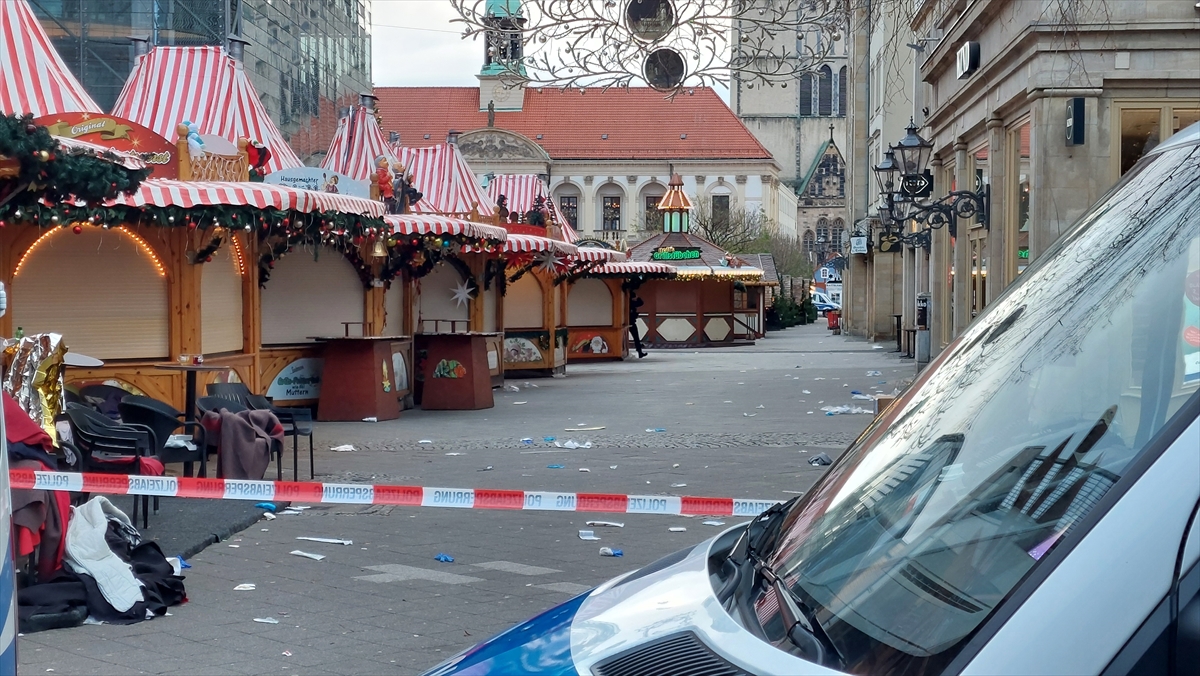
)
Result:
{"points": [[366, 494]]}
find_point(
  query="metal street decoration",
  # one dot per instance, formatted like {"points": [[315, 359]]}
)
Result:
{"points": [[668, 44], [901, 204]]}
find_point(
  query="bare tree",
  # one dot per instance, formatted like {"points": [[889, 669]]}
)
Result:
{"points": [[731, 230]]}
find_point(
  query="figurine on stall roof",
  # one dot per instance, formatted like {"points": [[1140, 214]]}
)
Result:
{"points": [[382, 189], [405, 194], [502, 205]]}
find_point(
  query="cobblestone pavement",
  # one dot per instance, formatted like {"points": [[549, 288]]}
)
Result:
{"points": [[736, 423]]}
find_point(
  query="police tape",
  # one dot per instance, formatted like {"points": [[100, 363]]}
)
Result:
{"points": [[365, 494]]}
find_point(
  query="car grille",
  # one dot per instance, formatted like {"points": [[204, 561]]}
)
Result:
{"points": [[675, 655]]}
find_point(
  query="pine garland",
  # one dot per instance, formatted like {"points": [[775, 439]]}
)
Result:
{"points": [[45, 170]]}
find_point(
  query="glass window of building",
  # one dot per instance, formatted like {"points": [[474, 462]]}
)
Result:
{"points": [[569, 205], [1018, 225], [654, 217], [1140, 132], [720, 210], [612, 213]]}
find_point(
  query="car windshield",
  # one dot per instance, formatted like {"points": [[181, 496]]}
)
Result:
{"points": [[1005, 442]]}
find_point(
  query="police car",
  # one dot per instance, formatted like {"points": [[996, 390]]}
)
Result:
{"points": [[1028, 506]]}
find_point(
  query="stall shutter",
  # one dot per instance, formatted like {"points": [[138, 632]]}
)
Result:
{"points": [[491, 299], [523, 304], [221, 303], [393, 305], [439, 311], [306, 297], [103, 290], [589, 303]]}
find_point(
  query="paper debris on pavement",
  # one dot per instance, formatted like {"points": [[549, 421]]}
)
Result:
{"points": [[344, 448], [248, 586], [328, 541], [712, 522], [307, 555], [587, 535], [678, 485], [606, 524], [518, 403], [425, 441], [291, 512], [583, 429], [677, 529], [266, 620], [268, 516]]}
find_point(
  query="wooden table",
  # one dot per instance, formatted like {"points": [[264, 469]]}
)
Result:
{"points": [[453, 372], [359, 378]]}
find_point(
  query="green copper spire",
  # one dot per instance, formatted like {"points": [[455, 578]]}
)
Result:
{"points": [[504, 47]]}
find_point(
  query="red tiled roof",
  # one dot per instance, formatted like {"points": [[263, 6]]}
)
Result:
{"points": [[639, 122]]}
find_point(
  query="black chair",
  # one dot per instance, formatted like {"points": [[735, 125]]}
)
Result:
{"points": [[297, 422], [103, 398], [164, 420], [110, 448], [208, 404]]}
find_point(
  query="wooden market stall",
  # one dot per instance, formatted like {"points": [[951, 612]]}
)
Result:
{"points": [[598, 308], [714, 299]]}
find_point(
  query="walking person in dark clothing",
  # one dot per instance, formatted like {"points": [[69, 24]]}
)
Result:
{"points": [[634, 304]]}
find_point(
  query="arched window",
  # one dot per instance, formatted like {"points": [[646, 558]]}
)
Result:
{"points": [[825, 92], [842, 92], [809, 241], [837, 234], [806, 94], [823, 232]]}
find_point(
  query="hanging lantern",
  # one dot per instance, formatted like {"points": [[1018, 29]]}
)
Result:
{"points": [[378, 250]]}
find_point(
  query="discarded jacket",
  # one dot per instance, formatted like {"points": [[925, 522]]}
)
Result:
{"points": [[245, 441]]}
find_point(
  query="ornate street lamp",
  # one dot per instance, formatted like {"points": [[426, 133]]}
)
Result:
{"points": [[903, 202]]}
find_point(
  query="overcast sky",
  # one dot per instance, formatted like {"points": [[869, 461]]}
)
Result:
{"points": [[415, 44]]}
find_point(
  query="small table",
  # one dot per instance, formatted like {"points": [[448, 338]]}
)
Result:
{"points": [[359, 378], [189, 397]]}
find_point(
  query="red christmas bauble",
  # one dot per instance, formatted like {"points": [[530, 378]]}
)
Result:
{"points": [[77, 230]]}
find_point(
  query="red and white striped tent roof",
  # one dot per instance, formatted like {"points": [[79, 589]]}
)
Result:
{"points": [[518, 243], [445, 180], [33, 77], [419, 224], [522, 190], [356, 144], [631, 268], [206, 86], [595, 253], [187, 194]]}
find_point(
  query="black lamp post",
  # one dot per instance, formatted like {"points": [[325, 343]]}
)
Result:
{"points": [[901, 203]]}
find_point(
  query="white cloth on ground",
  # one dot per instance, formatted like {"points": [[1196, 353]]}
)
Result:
{"points": [[87, 552]]}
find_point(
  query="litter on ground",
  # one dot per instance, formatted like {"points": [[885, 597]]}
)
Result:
{"points": [[677, 529], [820, 460], [606, 524], [608, 551], [307, 555], [266, 620], [587, 535], [328, 541], [248, 586], [344, 448], [444, 558], [556, 466], [678, 485], [712, 522]]}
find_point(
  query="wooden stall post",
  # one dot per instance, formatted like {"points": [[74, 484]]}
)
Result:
{"points": [[251, 310]]}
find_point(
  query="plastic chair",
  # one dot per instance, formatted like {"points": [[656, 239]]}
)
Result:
{"points": [[103, 398], [205, 405], [164, 420], [296, 422], [110, 448]]}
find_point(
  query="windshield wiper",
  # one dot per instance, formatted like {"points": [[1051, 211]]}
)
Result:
{"points": [[764, 526], [800, 623]]}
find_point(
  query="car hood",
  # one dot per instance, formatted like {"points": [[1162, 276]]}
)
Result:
{"points": [[674, 597]]}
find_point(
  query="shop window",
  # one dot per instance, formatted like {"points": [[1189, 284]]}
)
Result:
{"points": [[1019, 142], [612, 213], [654, 217], [569, 204], [1140, 132]]}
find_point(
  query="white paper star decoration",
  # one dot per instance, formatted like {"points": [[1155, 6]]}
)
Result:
{"points": [[548, 261], [463, 293]]}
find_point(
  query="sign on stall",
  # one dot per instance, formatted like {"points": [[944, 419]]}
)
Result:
{"points": [[119, 134], [319, 180], [299, 380]]}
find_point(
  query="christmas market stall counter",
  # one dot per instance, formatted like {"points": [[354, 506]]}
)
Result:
{"points": [[598, 307], [453, 371], [365, 377]]}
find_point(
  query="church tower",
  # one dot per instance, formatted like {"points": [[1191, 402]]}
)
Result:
{"points": [[501, 81]]}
